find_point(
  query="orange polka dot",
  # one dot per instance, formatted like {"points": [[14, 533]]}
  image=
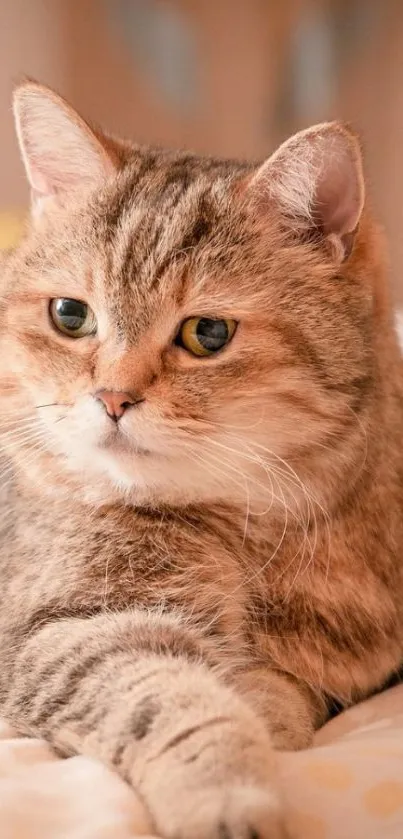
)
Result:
{"points": [[330, 775], [300, 825], [384, 799]]}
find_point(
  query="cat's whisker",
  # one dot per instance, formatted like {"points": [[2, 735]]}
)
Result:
{"points": [[213, 468], [20, 440], [247, 513], [228, 465], [255, 481], [306, 535], [288, 469], [22, 434], [196, 424], [17, 433], [313, 517], [9, 447], [310, 516], [298, 482], [11, 470], [15, 425], [217, 471], [283, 571], [273, 469], [292, 471], [269, 471], [261, 570], [17, 437], [300, 570], [306, 538], [53, 405]]}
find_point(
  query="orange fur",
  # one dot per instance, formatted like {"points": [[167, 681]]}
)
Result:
{"points": [[230, 553]]}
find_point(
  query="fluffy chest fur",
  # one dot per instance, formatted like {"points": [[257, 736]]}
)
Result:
{"points": [[317, 601]]}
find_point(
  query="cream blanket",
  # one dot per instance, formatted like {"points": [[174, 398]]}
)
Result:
{"points": [[349, 786]]}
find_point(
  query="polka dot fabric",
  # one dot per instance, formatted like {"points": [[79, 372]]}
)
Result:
{"points": [[348, 786]]}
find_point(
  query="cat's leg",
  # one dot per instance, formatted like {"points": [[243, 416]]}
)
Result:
{"points": [[293, 710], [133, 689]]}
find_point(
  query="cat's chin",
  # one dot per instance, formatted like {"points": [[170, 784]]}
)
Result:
{"points": [[119, 447], [134, 476]]}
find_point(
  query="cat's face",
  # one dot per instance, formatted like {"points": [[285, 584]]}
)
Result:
{"points": [[167, 338]]}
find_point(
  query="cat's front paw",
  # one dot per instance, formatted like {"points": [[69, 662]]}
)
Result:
{"points": [[236, 812], [204, 764], [215, 781]]}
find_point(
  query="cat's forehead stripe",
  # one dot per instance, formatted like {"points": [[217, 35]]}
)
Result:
{"points": [[157, 214], [161, 179]]}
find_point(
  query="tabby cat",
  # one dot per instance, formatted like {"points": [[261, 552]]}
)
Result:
{"points": [[202, 462]]}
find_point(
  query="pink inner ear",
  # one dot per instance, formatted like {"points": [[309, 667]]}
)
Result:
{"points": [[39, 182], [68, 166], [59, 150], [338, 195], [316, 179]]}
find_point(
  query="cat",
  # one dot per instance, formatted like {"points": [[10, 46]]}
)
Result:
{"points": [[202, 461]]}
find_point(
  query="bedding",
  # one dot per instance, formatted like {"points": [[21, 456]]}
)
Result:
{"points": [[348, 786]]}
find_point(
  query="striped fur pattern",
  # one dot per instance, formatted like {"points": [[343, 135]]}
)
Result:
{"points": [[185, 596]]}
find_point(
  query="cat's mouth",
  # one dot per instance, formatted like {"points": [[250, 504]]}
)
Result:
{"points": [[119, 444]]}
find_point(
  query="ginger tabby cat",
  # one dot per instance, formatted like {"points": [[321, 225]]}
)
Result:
{"points": [[202, 462]]}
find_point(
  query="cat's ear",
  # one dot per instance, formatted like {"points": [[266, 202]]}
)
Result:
{"points": [[316, 179], [59, 150]]}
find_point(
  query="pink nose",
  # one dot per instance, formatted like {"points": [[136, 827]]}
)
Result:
{"points": [[116, 402]]}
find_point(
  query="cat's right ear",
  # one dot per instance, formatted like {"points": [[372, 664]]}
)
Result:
{"points": [[59, 150], [316, 181]]}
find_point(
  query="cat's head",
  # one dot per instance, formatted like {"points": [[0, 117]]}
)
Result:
{"points": [[181, 329]]}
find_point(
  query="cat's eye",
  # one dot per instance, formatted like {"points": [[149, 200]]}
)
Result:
{"points": [[72, 317], [205, 336]]}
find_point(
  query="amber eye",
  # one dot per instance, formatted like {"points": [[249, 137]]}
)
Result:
{"points": [[205, 336], [72, 317]]}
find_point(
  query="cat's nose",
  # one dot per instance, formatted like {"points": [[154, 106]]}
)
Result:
{"points": [[116, 402]]}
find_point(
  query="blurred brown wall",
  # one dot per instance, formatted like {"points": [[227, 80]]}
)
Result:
{"points": [[31, 42], [241, 50]]}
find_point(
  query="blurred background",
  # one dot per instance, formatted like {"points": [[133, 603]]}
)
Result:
{"points": [[228, 77]]}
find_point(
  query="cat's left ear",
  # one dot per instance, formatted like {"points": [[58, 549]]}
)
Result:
{"points": [[316, 179], [59, 149]]}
